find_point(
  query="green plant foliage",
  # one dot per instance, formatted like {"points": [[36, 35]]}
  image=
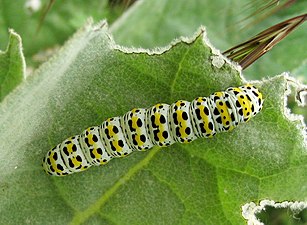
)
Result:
{"points": [[223, 19], [61, 21], [143, 27], [12, 65], [205, 182]]}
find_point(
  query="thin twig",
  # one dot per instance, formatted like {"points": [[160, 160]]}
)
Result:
{"points": [[264, 9], [248, 52], [44, 14]]}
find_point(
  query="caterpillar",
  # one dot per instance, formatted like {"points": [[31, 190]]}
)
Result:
{"points": [[162, 124]]}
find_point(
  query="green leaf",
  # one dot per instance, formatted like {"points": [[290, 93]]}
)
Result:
{"points": [[173, 18], [205, 182], [12, 65], [62, 20]]}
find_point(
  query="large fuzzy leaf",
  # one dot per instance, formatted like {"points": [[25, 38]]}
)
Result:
{"points": [[205, 182]]}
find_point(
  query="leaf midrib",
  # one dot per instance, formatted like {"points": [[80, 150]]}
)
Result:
{"points": [[81, 217]]}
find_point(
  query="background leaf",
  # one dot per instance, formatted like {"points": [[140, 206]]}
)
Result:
{"points": [[62, 20], [221, 18], [12, 65]]}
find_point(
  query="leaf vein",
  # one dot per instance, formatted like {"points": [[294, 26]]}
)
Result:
{"points": [[81, 217]]}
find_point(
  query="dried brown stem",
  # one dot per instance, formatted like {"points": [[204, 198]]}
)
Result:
{"points": [[264, 9], [248, 52], [44, 14]]}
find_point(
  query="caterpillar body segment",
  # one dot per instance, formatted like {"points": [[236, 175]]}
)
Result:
{"points": [[181, 123], [134, 125], [93, 148], [159, 125]]}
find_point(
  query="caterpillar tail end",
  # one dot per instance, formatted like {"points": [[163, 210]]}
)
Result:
{"points": [[55, 164]]}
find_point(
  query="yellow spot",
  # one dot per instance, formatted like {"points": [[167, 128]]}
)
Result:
{"points": [[134, 123], [246, 106], [90, 139], [138, 130], [178, 103], [160, 136], [96, 154], [199, 99], [117, 147], [69, 148], [244, 102], [219, 94], [102, 162], [182, 124], [223, 109], [138, 140], [83, 168], [161, 128], [111, 132], [76, 162], [204, 118], [53, 163]]}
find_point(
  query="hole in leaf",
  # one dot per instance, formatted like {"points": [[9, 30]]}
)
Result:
{"points": [[292, 102], [282, 216]]}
